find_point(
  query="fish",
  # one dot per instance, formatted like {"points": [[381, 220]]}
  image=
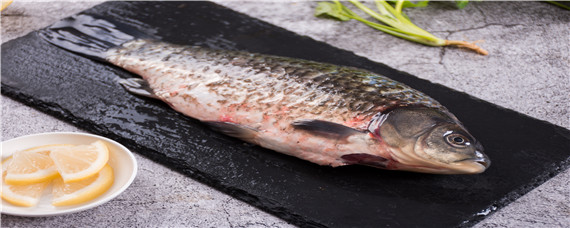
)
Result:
{"points": [[323, 113]]}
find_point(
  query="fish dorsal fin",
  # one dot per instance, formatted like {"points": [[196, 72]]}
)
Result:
{"points": [[235, 130], [365, 159], [137, 86], [325, 128]]}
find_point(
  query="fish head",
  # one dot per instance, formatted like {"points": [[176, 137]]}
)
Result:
{"points": [[429, 140]]}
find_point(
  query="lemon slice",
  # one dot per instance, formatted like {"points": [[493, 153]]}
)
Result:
{"points": [[5, 3], [32, 165], [21, 195], [77, 163], [77, 192]]}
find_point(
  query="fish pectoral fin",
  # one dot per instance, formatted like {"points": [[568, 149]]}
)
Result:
{"points": [[365, 159], [137, 86], [325, 128], [235, 130]]}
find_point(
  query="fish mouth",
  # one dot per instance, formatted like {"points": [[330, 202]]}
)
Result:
{"points": [[474, 165], [485, 162], [480, 158], [414, 163]]}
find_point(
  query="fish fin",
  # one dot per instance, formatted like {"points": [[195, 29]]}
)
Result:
{"points": [[325, 128], [235, 130], [90, 35], [365, 159], [138, 86]]}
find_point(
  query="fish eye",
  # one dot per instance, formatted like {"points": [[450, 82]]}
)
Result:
{"points": [[457, 140]]}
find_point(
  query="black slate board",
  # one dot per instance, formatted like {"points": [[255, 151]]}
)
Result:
{"points": [[525, 152]]}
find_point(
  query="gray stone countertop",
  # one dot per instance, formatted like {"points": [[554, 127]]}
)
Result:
{"points": [[527, 70]]}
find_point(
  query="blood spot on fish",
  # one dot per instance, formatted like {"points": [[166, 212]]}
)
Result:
{"points": [[226, 118], [357, 121]]}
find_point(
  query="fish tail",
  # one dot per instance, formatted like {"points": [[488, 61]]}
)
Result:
{"points": [[90, 35]]}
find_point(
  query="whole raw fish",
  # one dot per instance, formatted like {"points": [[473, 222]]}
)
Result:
{"points": [[319, 112]]}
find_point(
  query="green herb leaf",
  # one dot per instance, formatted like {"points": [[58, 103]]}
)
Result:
{"points": [[331, 10], [410, 4], [394, 21], [461, 3]]}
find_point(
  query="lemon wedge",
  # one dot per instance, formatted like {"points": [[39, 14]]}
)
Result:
{"points": [[33, 165], [65, 194], [21, 195], [80, 162], [5, 3], [79, 172]]}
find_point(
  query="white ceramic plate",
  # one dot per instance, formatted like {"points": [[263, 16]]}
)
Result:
{"points": [[120, 159]]}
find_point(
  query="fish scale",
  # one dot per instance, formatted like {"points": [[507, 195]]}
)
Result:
{"points": [[323, 113], [265, 93], [322, 90]]}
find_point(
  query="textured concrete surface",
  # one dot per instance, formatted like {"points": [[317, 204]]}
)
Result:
{"points": [[528, 70]]}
